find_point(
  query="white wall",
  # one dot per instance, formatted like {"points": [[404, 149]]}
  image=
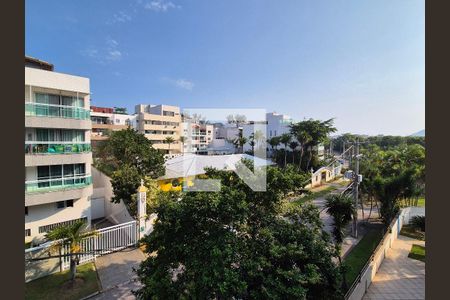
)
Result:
{"points": [[387, 242], [114, 212], [45, 214], [55, 80]]}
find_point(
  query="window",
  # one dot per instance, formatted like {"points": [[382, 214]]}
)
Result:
{"points": [[59, 100], [60, 204], [26, 210], [27, 232], [69, 203]]}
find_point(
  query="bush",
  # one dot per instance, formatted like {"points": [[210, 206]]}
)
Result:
{"points": [[418, 222]]}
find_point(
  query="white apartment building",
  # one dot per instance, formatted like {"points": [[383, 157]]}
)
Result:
{"points": [[57, 149], [276, 125], [157, 122], [105, 119], [221, 143], [197, 134]]}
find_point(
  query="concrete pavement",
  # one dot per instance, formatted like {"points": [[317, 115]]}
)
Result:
{"points": [[399, 277], [116, 274]]}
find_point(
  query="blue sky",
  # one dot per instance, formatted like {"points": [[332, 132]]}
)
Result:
{"points": [[361, 62]]}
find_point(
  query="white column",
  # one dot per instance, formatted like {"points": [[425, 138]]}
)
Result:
{"points": [[142, 209]]}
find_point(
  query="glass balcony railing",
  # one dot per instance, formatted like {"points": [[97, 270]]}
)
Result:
{"points": [[56, 111], [56, 184], [57, 147]]}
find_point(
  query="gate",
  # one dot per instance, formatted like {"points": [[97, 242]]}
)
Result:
{"points": [[105, 241]]}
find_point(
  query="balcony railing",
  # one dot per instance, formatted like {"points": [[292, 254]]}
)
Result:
{"points": [[56, 184], [56, 111], [57, 147]]}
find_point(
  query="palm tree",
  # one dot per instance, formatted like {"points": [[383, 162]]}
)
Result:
{"points": [[252, 144], [285, 139], [182, 141], [311, 133], [341, 209], [293, 145], [239, 142], [274, 142], [302, 136], [71, 235], [169, 140]]}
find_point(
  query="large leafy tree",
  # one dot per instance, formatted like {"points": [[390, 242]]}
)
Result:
{"points": [[310, 134], [129, 147], [130, 157], [238, 243]]}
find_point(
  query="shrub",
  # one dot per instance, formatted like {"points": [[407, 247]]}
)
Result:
{"points": [[418, 222]]}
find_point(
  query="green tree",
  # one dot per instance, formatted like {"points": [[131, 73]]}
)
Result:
{"points": [[71, 235], [293, 145], [169, 140], [238, 243], [285, 139], [128, 147], [274, 142], [239, 143], [310, 134], [182, 141], [341, 209]]}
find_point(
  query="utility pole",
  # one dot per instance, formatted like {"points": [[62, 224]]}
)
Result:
{"points": [[355, 188]]}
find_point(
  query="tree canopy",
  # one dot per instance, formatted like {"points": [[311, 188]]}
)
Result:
{"points": [[238, 243]]}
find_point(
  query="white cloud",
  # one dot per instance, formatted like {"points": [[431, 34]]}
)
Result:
{"points": [[184, 84], [109, 53], [180, 83], [111, 43], [90, 52], [120, 17], [114, 55], [160, 5]]}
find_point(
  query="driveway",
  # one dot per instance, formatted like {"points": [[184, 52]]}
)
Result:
{"points": [[116, 275], [399, 277]]}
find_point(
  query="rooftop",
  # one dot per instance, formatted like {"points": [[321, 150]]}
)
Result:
{"points": [[192, 164]]}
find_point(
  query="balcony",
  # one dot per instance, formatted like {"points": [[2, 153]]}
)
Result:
{"points": [[57, 147], [57, 184], [56, 111]]}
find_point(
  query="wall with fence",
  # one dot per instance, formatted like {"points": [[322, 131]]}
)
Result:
{"points": [[362, 283], [105, 241]]}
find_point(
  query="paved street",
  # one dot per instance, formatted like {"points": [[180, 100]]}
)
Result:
{"points": [[399, 276], [328, 220], [116, 274]]}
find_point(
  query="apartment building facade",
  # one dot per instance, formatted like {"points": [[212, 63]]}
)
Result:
{"points": [[57, 149], [198, 136], [157, 122], [106, 119]]}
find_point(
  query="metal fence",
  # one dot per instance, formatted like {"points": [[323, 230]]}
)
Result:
{"points": [[106, 240]]}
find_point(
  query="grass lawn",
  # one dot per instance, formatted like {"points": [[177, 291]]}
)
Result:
{"points": [[421, 202], [55, 286], [314, 195], [360, 254], [417, 252], [412, 233]]}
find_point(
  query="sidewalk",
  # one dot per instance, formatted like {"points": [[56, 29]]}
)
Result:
{"points": [[116, 274], [399, 276]]}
